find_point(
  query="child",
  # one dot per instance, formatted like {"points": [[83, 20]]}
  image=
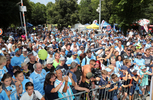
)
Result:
{"points": [[3, 69], [26, 71], [144, 73], [104, 84], [12, 90], [20, 77], [31, 94], [3, 95], [115, 86], [134, 82], [15, 68]]}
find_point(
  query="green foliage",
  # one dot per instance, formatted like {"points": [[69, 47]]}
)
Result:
{"points": [[38, 15], [9, 13], [63, 12]]}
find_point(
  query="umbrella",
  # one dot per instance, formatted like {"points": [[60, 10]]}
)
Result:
{"points": [[87, 24], [92, 26]]}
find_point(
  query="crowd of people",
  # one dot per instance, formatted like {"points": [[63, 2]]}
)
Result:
{"points": [[76, 61]]}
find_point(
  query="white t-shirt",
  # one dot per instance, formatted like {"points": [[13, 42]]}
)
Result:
{"points": [[9, 46], [25, 96]]}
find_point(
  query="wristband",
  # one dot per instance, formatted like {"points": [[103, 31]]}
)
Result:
{"points": [[61, 83]]}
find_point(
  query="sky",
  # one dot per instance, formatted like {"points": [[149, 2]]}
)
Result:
{"points": [[45, 1]]}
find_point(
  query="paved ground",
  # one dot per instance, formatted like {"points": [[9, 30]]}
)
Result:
{"points": [[148, 98]]}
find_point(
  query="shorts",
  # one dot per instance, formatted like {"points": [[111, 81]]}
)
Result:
{"points": [[115, 98], [143, 87], [132, 89]]}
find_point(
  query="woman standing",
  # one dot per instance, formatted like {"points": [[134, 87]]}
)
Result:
{"points": [[50, 90]]}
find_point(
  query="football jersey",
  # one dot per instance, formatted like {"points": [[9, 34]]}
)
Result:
{"points": [[13, 90], [2, 72]]}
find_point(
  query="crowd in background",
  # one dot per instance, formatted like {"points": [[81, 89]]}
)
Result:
{"points": [[76, 61]]}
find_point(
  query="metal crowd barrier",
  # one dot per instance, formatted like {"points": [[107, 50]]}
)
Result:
{"points": [[99, 94]]}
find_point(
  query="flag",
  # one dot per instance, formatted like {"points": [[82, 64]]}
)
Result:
{"points": [[102, 23], [146, 28], [94, 22], [114, 28]]}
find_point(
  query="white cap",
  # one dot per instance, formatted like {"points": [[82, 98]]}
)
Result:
{"points": [[50, 61], [24, 49], [53, 40]]}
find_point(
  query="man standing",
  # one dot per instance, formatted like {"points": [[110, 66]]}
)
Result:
{"points": [[56, 62], [86, 69], [65, 89], [73, 68], [49, 67], [73, 59], [38, 77], [17, 60], [31, 62]]}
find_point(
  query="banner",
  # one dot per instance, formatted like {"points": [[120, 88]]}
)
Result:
{"points": [[94, 22], [102, 23], [144, 23]]}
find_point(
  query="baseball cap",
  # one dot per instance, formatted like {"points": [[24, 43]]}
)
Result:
{"points": [[16, 50], [92, 44], [24, 49], [3, 49], [89, 75], [108, 69], [143, 67], [139, 54], [62, 59], [73, 65], [50, 52], [50, 61], [74, 53], [53, 40], [129, 49]]}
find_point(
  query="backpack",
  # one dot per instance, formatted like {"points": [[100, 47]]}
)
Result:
{"points": [[34, 96]]}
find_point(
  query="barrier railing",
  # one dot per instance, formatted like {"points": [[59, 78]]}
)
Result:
{"points": [[102, 93]]}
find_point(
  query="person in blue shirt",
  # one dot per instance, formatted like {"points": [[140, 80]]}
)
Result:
{"points": [[9, 86], [139, 61], [38, 77], [3, 68], [103, 83], [68, 52], [17, 60], [87, 59], [3, 95], [20, 77], [32, 38], [54, 45], [119, 61], [73, 59]]}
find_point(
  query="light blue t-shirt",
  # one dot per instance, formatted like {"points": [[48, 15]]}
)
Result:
{"points": [[24, 57], [38, 81], [3, 95], [119, 64], [70, 60], [139, 61], [23, 85], [87, 60], [13, 90], [2, 72], [17, 61], [68, 92]]}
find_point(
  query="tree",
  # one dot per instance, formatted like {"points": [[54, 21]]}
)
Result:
{"points": [[63, 12], [38, 13], [128, 11], [9, 13], [149, 12]]}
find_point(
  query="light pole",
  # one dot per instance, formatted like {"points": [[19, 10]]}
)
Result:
{"points": [[100, 14]]}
